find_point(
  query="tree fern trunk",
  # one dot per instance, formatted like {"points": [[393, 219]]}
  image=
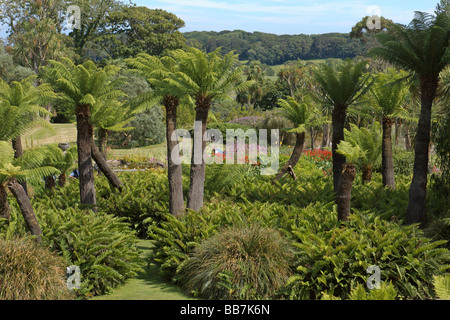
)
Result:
{"points": [[344, 191], [295, 156], [26, 208], [5, 210], [103, 142], [62, 180], [415, 212], [387, 160], [18, 152], [85, 168], [174, 171], [103, 166], [366, 174], [338, 122], [50, 183], [197, 182]]}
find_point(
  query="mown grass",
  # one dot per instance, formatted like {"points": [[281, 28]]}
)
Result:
{"points": [[148, 285]]}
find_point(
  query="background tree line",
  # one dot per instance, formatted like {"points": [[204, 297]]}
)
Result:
{"points": [[274, 49]]}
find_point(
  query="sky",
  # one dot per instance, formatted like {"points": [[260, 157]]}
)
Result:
{"points": [[286, 16]]}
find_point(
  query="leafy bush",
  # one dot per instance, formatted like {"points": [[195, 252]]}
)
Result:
{"points": [[175, 239], [102, 246], [29, 271], [144, 199], [333, 257], [385, 292], [149, 129], [240, 262]]}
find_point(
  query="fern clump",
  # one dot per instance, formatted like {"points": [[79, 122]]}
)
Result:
{"points": [[241, 262], [29, 271], [103, 246], [333, 257]]}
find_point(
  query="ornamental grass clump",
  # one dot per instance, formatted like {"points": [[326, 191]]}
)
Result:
{"points": [[29, 271], [239, 262]]}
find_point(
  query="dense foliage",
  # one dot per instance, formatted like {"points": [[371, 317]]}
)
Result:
{"points": [[274, 49]]}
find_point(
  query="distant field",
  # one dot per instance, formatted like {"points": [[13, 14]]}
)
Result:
{"points": [[65, 132]]}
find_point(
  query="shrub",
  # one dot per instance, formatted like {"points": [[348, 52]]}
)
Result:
{"points": [[385, 292], [333, 257], [174, 239], [103, 246], [29, 271], [240, 262]]}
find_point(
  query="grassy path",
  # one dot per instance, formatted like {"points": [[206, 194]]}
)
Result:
{"points": [[148, 285]]}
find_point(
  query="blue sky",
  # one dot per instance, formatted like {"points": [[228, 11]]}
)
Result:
{"points": [[285, 16]]}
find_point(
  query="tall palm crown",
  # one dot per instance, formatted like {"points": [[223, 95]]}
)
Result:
{"points": [[422, 47]]}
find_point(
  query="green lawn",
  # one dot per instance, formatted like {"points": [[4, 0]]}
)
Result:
{"points": [[148, 285], [62, 132]]}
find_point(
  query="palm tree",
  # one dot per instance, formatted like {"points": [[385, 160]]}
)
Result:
{"points": [[205, 77], [13, 171], [83, 86], [389, 92], [344, 190], [301, 115], [369, 141], [340, 86], [422, 47], [162, 73]]}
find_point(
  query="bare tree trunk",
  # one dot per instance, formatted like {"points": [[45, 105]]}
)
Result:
{"points": [[174, 171], [313, 138], [415, 212], [326, 135], [85, 168], [5, 210], [197, 182], [338, 122], [407, 139], [387, 160], [344, 191], [295, 156], [26, 208]]}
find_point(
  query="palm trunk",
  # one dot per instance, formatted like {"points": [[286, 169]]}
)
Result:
{"points": [[366, 174], [295, 156], [338, 122], [387, 160], [103, 166], [344, 191], [85, 168], [415, 212], [174, 171], [5, 210], [26, 208], [197, 182]]}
